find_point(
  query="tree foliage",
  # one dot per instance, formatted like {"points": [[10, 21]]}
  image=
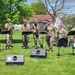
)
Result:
{"points": [[25, 10], [69, 20], [39, 8], [14, 9]]}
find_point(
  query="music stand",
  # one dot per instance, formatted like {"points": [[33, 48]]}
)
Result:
{"points": [[43, 32], [4, 31], [72, 33], [27, 32]]}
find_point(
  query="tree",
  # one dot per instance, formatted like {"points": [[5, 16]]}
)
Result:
{"points": [[54, 7], [2, 13], [8, 9], [25, 10], [14, 10], [69, 20], [39, 8]]}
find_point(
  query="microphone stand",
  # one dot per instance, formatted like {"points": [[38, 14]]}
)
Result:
{"points": [[58, 45], [0, 39], [0, 46]]}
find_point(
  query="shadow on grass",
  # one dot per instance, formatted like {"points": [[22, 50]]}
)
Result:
{"points": [[17, 41], [14, 41]]}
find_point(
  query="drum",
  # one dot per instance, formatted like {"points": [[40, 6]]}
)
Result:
{"points": [[62, 42]]}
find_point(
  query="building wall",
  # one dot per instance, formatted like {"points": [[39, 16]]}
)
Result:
{"points": [[41, 23]]}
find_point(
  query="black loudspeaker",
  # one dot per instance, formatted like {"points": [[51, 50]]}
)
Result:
{"points": [[15, 59], [38, 53]]}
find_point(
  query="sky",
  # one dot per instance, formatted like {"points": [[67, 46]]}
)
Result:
{"points": [[66, 11], [30, 1], [71, 10]]}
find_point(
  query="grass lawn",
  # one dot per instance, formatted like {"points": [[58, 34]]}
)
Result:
{"points": [[51, 65]]}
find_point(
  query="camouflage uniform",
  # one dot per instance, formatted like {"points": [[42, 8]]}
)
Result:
{"points": [[61, 33], [50, 34], [24, 36], [9, 26], [36, 29], [62, 36]]}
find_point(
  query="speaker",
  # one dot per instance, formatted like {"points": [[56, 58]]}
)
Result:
{"points": [[38, 53], [15, 59]]}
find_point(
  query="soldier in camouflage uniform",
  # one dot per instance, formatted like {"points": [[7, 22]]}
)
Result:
{"points": [[62, 32], [36, 29], [24, 28], [50, 34], [62, 35], [9, 27]]}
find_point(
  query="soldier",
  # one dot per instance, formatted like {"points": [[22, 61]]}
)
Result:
{"points": [[62, 36], [50, 34], [62, 32], [9, 27], [24, 28], [36, 30]]}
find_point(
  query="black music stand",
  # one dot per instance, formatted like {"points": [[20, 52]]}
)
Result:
{"points": [[4, 31], [69, 34], [43, 32], [27, 32]]}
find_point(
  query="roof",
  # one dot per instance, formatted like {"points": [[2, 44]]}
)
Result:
{"points": [[41, 17]]}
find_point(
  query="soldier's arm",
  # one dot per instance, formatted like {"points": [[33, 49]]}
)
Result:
{"points": [[6, 27], [53, 27], [28, 28], [45, 27], [64, 30], [38, 27], [32, 26]]}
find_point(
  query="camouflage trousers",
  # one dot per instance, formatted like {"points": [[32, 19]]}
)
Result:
{"points": [[50, 41], [37, 38], [25, 40], [8, 40]]}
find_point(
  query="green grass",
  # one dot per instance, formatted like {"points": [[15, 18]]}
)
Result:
{"points": [[51, 65]]}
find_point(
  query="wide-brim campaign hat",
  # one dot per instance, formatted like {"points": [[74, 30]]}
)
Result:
{"points": [[8, 19]]}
